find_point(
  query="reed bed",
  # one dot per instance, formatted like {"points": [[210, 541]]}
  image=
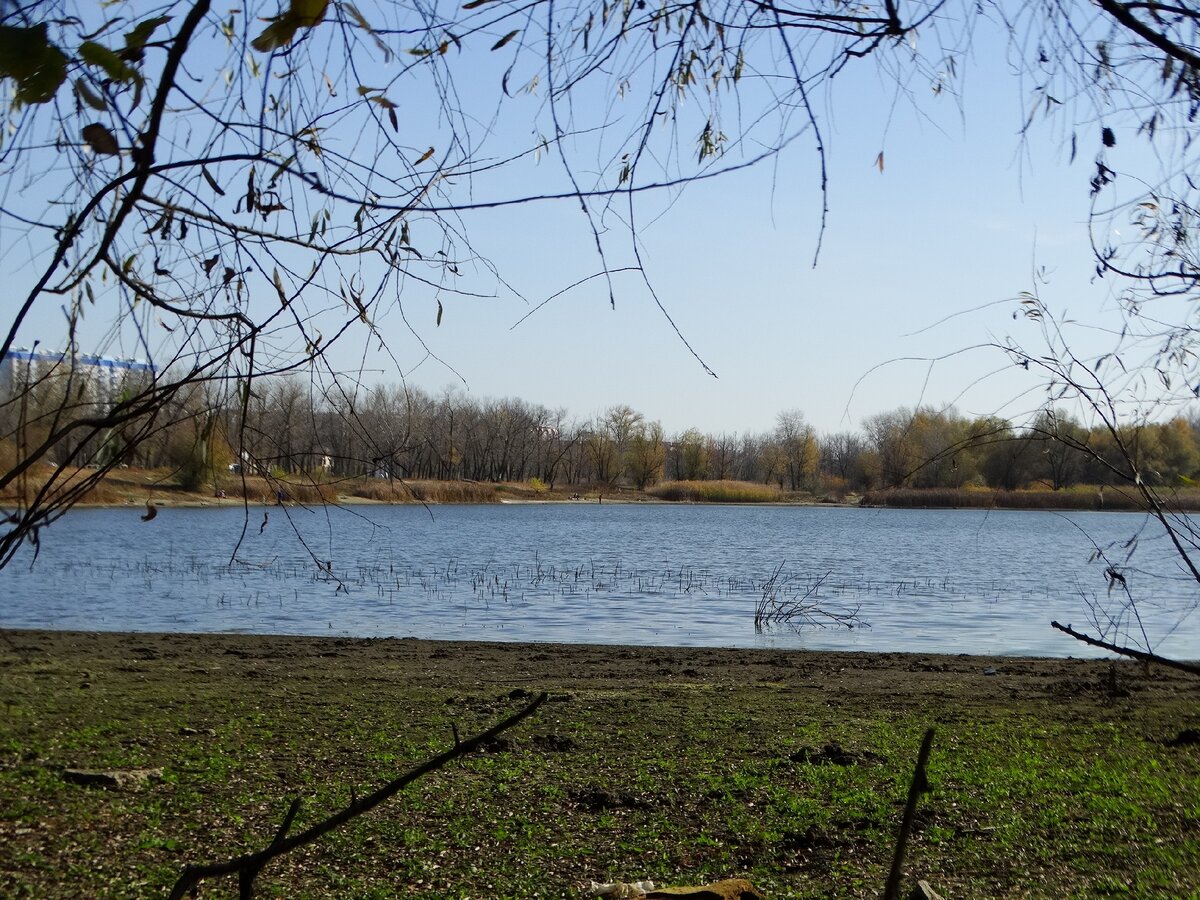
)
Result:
{"points": [[452, 491], [776, 599], [382, 491], [22, 491], [309, 491], [716, 492], [424, 491], [452, 581], [1076, 498], [297, 488], [121, 486]]}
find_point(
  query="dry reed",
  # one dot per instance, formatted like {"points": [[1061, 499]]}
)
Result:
{"points": [[1076, 498], [717, 492], [453, 491]]}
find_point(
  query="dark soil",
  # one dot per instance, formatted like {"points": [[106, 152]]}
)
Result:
{"points": [[1050, 777]]}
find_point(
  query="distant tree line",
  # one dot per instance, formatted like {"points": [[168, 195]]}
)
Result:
{"points": [[289, 427]]}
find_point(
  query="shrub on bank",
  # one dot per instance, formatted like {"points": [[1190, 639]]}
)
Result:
{"points": [[716, 492]]}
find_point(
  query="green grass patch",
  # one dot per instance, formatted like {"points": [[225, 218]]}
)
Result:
{"points": [[680, 766]]}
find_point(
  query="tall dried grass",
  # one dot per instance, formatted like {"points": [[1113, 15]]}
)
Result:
{"points": [[22, 491], [422, 491], [121, 487], [382, 491], [453, 491], [716, 492], [298, 488], [310, 491], [1076, 498]]}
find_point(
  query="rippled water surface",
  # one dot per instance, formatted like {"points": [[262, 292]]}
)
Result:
{"points": [[926, 580]]}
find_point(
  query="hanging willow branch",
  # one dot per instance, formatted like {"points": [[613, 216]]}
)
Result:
{"points": [[249, 865]]}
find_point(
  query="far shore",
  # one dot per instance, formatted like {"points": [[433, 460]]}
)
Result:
{"points": [[122, 487]]}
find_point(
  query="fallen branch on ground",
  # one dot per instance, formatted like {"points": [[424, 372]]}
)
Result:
{"points": [[918, 786], [249, 865], [1141, 655]]}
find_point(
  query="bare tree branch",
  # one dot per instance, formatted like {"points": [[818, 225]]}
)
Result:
{"points": [[1128, 651], [248, 866]]}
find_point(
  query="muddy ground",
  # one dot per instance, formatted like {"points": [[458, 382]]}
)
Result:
{"points": [[902, 679], [1052, 777]]}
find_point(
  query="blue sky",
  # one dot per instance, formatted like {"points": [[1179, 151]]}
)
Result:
{"points": [[921, 261], [917, 262]]}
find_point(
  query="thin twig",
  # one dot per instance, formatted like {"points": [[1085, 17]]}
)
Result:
{"points": [[918, 786], [248, 865]]}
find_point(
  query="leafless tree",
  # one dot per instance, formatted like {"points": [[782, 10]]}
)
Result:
{"points": [[228, 195]]}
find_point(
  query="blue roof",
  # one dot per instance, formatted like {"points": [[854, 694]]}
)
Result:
{"points": [[103, 362]]}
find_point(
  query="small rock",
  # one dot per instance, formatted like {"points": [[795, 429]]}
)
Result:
{"points": [[189, 730], [924, 892], [118, 779], [989, 671]]}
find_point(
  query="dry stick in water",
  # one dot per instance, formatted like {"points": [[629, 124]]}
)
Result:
{"points": [[1129, 651], [249, 865], [919, 785]]}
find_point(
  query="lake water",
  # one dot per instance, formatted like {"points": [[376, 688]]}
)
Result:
{"points": [[916, 580]]}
